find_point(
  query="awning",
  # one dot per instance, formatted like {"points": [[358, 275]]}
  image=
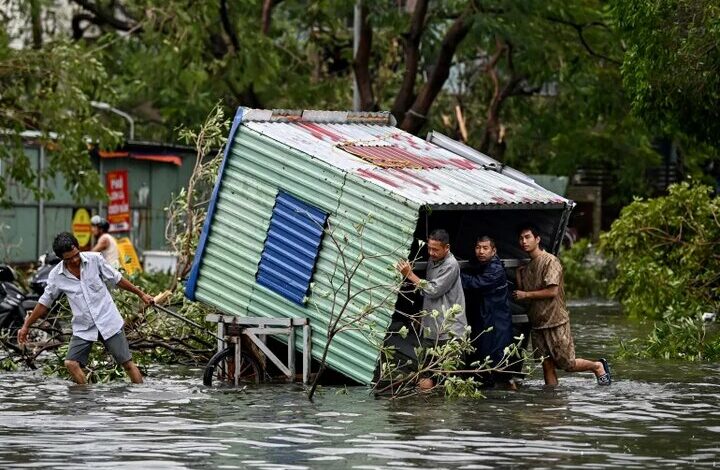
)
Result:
{"points": [[174, 159]]}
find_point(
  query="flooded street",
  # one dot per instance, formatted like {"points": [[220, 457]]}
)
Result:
{"points": [[656, 414]]}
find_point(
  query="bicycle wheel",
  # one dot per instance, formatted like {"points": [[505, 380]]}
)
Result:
{"points": [[220, 370]]}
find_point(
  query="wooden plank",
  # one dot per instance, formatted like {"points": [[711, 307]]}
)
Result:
{"points": [[220, 334], [307, 353], [291, 355], [238, 360], [214, 318], [268, 331], [269, 354]]}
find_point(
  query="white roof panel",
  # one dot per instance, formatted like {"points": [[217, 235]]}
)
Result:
{"points": [[400, 162]]}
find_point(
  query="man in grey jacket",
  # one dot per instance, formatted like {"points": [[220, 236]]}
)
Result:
{"points": [[442, 291]]}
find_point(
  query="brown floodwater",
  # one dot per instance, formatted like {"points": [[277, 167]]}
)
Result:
{"points": [[656, 414]]}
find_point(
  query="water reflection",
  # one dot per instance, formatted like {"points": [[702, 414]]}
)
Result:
{"points": [[657, 414]]}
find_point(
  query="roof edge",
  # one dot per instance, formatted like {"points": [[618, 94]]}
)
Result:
{"points": [[311, 115], [507, 206], [191, 285]]}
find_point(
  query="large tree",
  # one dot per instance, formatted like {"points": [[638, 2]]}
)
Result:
{"points": [[671, 68]]}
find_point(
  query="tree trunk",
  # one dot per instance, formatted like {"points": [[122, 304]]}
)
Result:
{"points": [[36, 20], [361, 65], [406, 94], [417, 114], [493, 139]]}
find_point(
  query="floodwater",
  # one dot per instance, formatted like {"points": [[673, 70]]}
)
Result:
{"points": [[656, 414]]}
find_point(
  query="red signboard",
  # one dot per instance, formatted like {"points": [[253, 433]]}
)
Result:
{"points": [[118, 191]]}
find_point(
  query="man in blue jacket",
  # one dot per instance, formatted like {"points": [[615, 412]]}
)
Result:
{"points": [[486, 293]]}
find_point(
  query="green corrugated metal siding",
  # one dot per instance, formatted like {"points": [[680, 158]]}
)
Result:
{"points": [[256, 169], [163, 179]]}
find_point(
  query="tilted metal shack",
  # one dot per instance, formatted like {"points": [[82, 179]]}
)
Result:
{"points": [[287, 174]]}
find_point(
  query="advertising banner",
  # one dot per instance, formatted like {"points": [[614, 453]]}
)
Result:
{"points": [[118, 191]]}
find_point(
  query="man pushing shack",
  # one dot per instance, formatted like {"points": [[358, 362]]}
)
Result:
{"points": [[540, 283], [82, 277], [441, 291]]}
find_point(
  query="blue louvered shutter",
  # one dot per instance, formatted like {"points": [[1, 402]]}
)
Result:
{"points": [[291, 247]]}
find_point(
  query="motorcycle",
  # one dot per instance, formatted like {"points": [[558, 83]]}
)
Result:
{"points": [[15, 304]]}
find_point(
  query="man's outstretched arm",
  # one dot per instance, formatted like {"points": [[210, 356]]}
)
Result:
{"points": [[124, 284], [39, 311]]}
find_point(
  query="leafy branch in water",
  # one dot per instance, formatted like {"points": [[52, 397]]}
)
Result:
{"points": [[667, 252], [442, 361]]}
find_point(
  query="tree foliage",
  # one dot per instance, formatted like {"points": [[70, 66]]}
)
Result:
{"points": [[48, 92], [667, 252], [671, 68], [535, 83]]}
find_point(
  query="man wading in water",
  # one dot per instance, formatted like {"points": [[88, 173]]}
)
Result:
{"points": [[541, 284], [82, 277]]}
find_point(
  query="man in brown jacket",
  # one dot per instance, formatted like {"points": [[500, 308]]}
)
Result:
{"points": [[540, 283]]}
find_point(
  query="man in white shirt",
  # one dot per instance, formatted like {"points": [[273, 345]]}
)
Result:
{"points": [[82, 277]]}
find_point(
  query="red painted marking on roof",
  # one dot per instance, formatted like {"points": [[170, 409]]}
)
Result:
{"points": [[367, 174], [410, 140], [462, 163], [499, 200], [418, 180], [391, 157], [509, 191], [320, 132]]}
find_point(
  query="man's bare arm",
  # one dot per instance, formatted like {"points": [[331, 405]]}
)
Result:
{"points": [[130, 287], [547, 293], [100, 245], [39, 311]]}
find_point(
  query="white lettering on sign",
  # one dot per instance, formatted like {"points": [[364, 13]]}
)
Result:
{"points": [[117, 195], [118, 209]]}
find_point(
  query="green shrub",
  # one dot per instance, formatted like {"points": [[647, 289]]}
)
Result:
{"points": [[667, 253], [586, 273]]}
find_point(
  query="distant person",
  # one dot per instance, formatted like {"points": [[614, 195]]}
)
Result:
{"points": [[540, 284], [442, 291], [82, 277], [105, 243], [486, 293]]}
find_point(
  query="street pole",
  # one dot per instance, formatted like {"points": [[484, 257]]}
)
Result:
{"points": [[128, 118], [357, 24], [41, 202]]}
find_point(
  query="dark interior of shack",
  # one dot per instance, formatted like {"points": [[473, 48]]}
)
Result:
{"points": [[464, 227]]}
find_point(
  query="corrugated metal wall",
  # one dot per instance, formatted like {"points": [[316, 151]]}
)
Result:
{"points": [[256, 169], [148, 230]]}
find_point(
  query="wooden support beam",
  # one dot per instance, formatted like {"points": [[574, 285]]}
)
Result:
{"points": [[307, 353], [291, 355], [269, 354]]}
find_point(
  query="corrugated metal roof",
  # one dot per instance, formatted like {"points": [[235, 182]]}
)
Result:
{"points": [[407, 165], [256, 169]]}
